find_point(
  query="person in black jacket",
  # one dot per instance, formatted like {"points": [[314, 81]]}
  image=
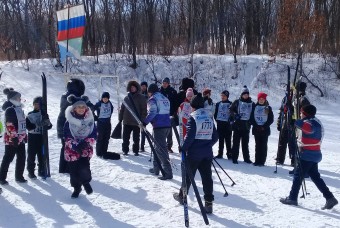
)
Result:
{"points": [[15, 136], [222, 117], [35, 139], [144, 90], [76, 87], [170, 93], [200, 138], [104, 109], [262, 118], [241, 111]]}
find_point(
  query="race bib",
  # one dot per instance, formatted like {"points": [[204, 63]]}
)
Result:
{"points": [[204, 124], [105, 110], [163, 104], [223, 112], [35, 118], [21, 120], [260, 115], [186, 110], [245, 110]]}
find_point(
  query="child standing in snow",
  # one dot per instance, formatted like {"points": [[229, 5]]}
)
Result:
{"points": [[262, 118], [15, 137], [35, 139], [80, 134], [222, 116], [104, 110]]}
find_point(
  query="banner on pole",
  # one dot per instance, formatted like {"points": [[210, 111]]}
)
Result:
{"points": [[71, 28]]}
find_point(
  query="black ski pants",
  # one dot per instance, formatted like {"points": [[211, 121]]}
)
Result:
{"points": [[10, 152], [284, 140], [63, 167], [34, 149], [261, 148], [80, 172], [224, 137], [241, 135], [204, 168], [127, 129], [104, 131]]}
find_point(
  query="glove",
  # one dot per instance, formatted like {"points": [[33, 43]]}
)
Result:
{"points": [[15, 141], [82, 145], [46, 123]]}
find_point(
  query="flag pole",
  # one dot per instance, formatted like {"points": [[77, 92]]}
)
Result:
{"points": [[67, 33]]}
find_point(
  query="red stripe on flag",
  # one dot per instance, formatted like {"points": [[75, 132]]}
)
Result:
{"points": [[72, 33]]}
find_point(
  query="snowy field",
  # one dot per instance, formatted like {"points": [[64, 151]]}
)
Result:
{"points": [[126, 195]]}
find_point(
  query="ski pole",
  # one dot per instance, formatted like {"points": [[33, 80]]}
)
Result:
{"points": [[226, 193], [225, 172]]}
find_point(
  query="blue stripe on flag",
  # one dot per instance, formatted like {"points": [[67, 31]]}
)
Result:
{"points": [[73, 22]]}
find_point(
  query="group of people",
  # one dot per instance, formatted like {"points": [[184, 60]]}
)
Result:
{"points": [[165, 109]]}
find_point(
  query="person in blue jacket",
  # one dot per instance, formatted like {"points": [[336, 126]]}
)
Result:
{"points": [[309, 143], [198, 142]]}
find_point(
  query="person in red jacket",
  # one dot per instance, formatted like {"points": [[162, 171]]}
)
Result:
{"points": [[183, 113]]}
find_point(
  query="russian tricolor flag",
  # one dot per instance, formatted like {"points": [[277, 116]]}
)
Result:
{"points": [[71, 28]]}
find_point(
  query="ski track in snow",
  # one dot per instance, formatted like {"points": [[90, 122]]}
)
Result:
{"points": [[127, 195]]}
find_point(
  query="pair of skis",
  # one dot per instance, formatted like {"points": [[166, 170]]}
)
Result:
{"points": [[44, 118]]}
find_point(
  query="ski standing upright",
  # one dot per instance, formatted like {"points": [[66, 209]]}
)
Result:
{"points": [[44, 116]]}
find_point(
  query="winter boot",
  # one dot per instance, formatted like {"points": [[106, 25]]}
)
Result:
{"points": [[142, 148], [76, 192], [330, 203], [288, 201], [208, 207], [88, 188], [219, 156], [32, 176], [20, 180], [178, 197], [156, 173], [3, 182]]}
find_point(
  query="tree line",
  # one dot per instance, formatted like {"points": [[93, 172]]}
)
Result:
{"points": [[28, 28]]}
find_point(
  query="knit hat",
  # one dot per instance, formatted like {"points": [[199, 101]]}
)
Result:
{"points": [[245, 90], [144, 83], [225, 92], [167, 80], [302, 86], [37, 100], [77, 101], [261, 95], [189, 93], [106, 95], [153, 88], [11, 94], [309, 110], [206, 91], [197, 101]]}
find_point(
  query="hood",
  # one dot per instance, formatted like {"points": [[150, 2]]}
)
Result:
{"points": [[133, 83]]}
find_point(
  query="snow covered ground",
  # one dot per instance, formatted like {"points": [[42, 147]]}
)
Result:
{"points": [[126, 195]]}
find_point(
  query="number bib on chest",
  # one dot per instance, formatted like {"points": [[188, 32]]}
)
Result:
{"points": [[204, 124], [245, 110], [21, 120], [105, 110], [35, 118], [185, 113], [163, 104], [223, 112], [260, 115]]}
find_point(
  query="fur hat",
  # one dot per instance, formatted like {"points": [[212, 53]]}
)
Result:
{"points": [[302, 86], [133, 83], [106, 95], [11, 94], [75, 101], [197, 101], [261, 95], [225, 92], [245, 90], [206, 91], [187, 83], [76, 86], [167, 80], [189, 93], [309, 110], [37, 100], [153, 88]]}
